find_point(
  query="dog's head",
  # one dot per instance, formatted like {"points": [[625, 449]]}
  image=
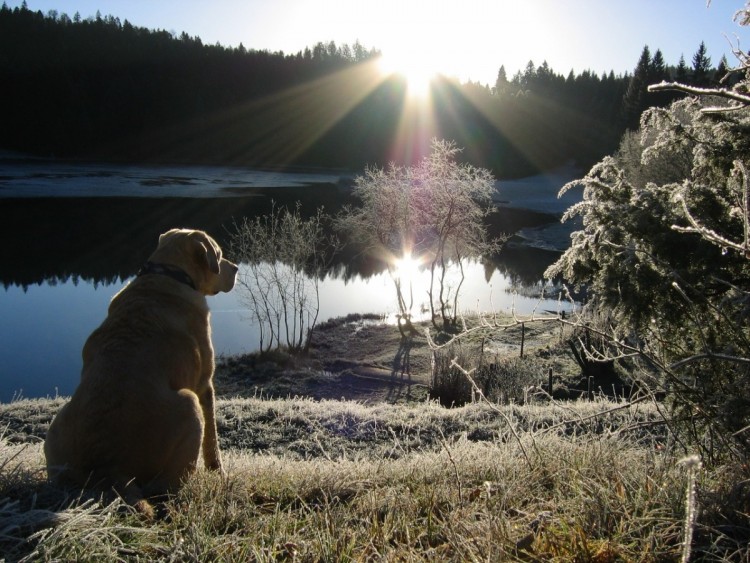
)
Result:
{"points": [[199, 256]]}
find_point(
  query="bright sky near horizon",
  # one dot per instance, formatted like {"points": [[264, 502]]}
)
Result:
{"points": [[466, 39]]}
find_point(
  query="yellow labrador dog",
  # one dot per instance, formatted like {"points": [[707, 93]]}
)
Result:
{"points": [[145, 404]]}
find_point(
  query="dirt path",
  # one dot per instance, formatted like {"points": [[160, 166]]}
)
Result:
{"points": [[362, 360]]}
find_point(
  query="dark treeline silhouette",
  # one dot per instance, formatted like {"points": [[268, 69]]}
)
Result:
{"points": [[104, 89]]}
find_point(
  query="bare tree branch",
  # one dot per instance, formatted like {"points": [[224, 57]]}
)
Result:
{"points": [[726, 93]]}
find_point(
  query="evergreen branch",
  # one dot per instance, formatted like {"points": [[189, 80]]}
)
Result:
{"points": [[712, 236]]}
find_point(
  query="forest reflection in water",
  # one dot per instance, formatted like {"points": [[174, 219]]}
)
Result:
{"points": [[66, 257]]}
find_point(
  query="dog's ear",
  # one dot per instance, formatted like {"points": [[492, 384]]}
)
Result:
{"points": [[169, 233], [164, 237], [210, 256]]}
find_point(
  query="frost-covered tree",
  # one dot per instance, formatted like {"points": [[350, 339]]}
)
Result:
{"points": [[629, 252], [452, 202], [665, 253], [434, 211]]}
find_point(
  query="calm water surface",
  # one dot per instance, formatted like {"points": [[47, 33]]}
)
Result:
{"points": [[43, 327]]}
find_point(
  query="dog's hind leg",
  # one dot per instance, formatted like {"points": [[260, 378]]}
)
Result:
{"points": [[160, 452]]}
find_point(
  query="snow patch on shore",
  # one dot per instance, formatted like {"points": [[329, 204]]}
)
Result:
{"points": [[540, 193]]}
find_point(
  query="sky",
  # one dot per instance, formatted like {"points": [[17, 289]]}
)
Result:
{"points": [[465, 39]]}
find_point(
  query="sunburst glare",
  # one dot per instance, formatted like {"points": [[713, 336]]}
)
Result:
{"points": [[418, 72], [407, 267]]}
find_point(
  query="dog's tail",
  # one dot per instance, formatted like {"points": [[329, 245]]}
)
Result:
{"points": [[132, 494]]}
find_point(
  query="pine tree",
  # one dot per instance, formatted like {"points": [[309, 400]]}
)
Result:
{"points": [[664, 254], [682, 73], [701, 67], [658, 73], [501, 84], [634, 101], [721, 71], [529, 76], [658, 69]]}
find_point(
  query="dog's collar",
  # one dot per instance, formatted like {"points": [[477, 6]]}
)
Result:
{"points": [[167, 270]]}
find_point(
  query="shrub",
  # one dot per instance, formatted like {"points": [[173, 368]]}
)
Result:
{"points": [[283, 256], [449, 385], [505, 380], [664, 252], [508, 379]]}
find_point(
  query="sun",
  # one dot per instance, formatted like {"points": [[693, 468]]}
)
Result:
{"points": [[407, 267], [418, 71], [422, 39]]}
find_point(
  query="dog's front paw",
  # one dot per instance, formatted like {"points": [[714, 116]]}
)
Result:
{"points": [[218, 467]]}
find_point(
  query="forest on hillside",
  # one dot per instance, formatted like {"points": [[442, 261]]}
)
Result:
{"points": [[101, 88]]}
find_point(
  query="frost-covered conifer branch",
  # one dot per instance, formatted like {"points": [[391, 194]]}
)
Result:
{"points": [[711, 235], [739, 99]]}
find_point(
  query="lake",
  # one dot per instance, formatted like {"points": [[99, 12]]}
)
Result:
{"points": [[74, 234]]}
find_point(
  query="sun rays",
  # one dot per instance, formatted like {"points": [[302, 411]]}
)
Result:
{"points": [[289, 125]]}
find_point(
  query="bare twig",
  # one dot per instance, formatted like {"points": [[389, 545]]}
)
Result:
{"points": [[455, 467], [595, 415]]}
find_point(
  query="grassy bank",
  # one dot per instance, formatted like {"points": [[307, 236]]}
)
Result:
{"points": [[331, 480]]}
